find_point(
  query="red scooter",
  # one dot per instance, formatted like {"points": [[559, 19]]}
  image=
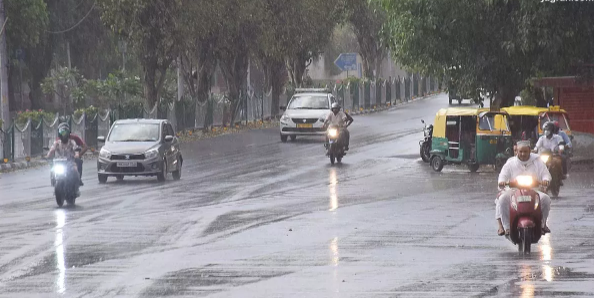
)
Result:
{"points": [[525, 216]]}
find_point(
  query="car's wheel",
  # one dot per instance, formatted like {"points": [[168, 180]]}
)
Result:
{"points": [[163, 175], [177, 173], [120, 177], [283, 138], [102, 178], [437, 163], [293, 137]]}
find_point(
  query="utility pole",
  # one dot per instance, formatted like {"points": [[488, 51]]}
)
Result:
{"points": [[4, 106]]}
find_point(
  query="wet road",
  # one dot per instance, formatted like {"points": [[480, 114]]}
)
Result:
{"points": [[253, 217]]}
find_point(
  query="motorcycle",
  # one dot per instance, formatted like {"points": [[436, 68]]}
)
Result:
{"points": [[554, 163], [525, 217], [334, 148], [425, 144], [65, 180]]}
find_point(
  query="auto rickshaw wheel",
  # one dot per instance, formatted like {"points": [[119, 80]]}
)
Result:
{"points": [[499, 165], [437, 163], [473, 167]]}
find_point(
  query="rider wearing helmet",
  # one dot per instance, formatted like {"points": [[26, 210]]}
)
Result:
{"points": [[80, 143], [342, 120], [64, 147], [549, 140], [568, 145]]}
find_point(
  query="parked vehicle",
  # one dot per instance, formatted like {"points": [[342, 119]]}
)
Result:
{"points": [[425, 144]]}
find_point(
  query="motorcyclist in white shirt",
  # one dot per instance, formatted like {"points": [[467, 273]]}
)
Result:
{"points": [[522, 164]]}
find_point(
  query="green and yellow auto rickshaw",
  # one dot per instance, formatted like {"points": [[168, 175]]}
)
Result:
{"points": [[526, 122], [470, 136]]}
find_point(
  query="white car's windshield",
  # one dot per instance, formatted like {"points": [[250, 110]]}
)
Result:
{"points": [[136, 132], [311, 102]]}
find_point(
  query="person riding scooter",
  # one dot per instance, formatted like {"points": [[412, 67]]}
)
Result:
{"points": [[549, 142], [65, 147], [524, 163], [81, 144], [342, 120]]}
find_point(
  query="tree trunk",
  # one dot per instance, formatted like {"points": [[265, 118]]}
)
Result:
{"points": [[505, 96]]}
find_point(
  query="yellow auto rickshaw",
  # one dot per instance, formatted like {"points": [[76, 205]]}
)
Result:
{"points": [[527, 122], [470, 136]]}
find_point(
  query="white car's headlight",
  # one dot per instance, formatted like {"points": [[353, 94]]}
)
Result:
{"points": [[285, 118], [151, 154], [104, 153], [332, 132], [544, 158], [59, 169]]}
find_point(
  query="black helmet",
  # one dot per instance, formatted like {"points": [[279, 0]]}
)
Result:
{"points": [[549, 127], [64, 132]]}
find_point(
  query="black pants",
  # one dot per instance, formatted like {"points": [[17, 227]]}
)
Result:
{"points": [[79, 164], [346, 137]]}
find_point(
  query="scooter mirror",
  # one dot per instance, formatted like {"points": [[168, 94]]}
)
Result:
{"points": [[422, 121]]}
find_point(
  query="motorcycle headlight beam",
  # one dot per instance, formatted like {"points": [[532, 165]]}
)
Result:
{"points": [[333, 132], [59, 169], [545, 158]]}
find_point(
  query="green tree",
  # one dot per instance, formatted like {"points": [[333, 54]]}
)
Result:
{"points": [[367, 19], [25, 32], [153, 29], [493, 45], [306, 32], [63, 84]]}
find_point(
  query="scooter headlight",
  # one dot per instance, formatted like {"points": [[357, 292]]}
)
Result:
{"points": [[332, 132], [561, 148], [525, 181], [59, 170], [545, 158]]}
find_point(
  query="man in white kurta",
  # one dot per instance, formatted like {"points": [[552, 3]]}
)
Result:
{"points": [[525, 163]]}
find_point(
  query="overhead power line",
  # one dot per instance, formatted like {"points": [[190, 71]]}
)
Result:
{"points": [[77, 24]]}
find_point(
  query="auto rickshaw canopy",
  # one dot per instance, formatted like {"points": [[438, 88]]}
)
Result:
{"points": [[496, 125]]}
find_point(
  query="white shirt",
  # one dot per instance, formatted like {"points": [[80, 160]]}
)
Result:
{"points": [[336, 120], [545, 143], [534, 167]]}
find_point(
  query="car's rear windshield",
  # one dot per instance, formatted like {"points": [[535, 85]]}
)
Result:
{"points": [[309, 102], [134, 132]]}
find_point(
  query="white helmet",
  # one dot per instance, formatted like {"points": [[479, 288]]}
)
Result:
{"points": [[335, 106]]}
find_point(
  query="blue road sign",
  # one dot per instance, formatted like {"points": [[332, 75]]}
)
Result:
{"points": [[346, 61]]}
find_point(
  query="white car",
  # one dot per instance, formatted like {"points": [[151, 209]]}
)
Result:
{"points": [[305, 113]]}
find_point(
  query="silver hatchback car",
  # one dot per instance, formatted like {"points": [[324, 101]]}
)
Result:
{"points": [[140, 147]]}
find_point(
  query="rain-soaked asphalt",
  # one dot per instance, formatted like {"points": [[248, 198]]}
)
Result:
{"points": [[253, 217]]}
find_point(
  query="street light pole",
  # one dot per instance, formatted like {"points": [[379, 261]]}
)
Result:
{"points": [[4, 105]]}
